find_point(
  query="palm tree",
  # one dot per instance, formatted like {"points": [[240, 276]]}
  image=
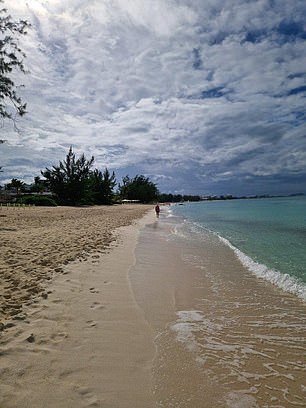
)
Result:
{"points": [[17, 184]]}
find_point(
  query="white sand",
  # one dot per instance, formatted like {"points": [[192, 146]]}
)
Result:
{"points": [[87, 344], [113, 331]]}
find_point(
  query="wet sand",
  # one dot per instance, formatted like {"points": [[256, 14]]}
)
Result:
{"points": [[156, 320], [224, 338]]}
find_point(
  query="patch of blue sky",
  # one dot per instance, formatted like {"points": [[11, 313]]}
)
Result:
{"points": [[298, 90], [217, 92]]}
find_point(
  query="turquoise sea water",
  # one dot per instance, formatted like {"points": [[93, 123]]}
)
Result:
{"points": [[268, 235]]}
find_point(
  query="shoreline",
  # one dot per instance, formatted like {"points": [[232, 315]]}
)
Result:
{"points": [[260, 250], [156, 320], [220, 331]]}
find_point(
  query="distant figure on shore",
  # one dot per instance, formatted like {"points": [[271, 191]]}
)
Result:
{"points": [[157, 210]]}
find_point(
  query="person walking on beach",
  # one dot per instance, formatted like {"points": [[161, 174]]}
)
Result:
{"points": [[157, 210]]}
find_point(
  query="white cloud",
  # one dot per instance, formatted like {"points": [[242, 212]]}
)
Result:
{"points": [[163, 87]]}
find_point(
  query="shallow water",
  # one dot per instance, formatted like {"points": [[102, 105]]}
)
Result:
{"points": [[268, 235], [223, 336]]}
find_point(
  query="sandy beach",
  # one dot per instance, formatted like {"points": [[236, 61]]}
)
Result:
{"points": [[36, 242], [126, 314], [86, 343]]}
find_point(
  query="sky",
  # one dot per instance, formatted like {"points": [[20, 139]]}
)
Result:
{"points": [[201, 96]]}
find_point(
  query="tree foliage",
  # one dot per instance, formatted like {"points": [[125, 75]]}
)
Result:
{"points": [[11, 59], [138, 188], [41, 201], [16, 184], [73, 182], [69, 181], [39, 185], [101, 186], [176, 198]]}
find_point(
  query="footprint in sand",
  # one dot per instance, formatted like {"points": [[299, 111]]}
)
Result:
{"points": [[91, 399], [96, 306], [93, 290], [58, 337], [91, 323], [31, 338], [95, 259]]}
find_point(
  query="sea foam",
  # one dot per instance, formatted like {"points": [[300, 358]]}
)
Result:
{"points": [[284, 281]]}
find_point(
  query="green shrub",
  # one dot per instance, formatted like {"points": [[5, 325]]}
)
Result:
{"points": [[38, 200]]}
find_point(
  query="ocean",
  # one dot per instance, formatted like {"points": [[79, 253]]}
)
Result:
{"points": [[222, 286], [268, 235]]}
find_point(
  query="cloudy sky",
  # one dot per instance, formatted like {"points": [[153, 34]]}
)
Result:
{"points": [[202, 96]]}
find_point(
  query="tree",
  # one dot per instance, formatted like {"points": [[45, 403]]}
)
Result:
{"points": [[70, 180], [176, 198], [15, 184], [139, 188], [124, 187], [38, 186], [11, 59], [101, 186]]}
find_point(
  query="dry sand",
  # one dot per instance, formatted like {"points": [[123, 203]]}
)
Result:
{"points": [[36, 242], [87, 344]]}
